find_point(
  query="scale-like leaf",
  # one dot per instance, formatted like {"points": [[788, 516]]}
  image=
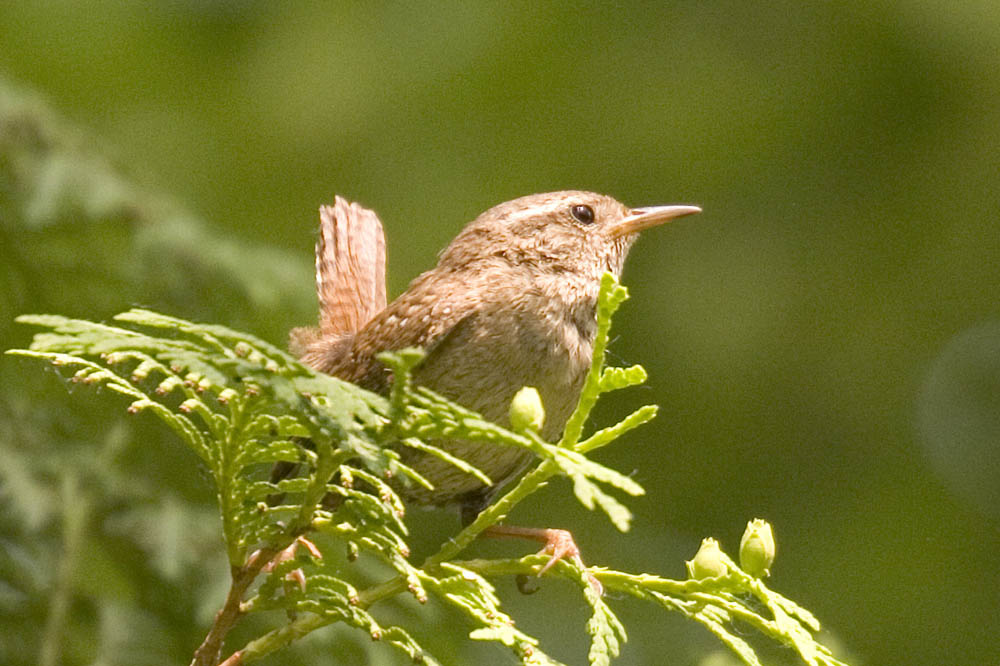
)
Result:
{"points": [[242, 404]]}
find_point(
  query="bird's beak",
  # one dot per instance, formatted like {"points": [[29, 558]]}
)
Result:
{"points": [[644, 218]]}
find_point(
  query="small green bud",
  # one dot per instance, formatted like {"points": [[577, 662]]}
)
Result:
{"points": [[757, 548], [708, 562], [526, 410], [227, 395]]}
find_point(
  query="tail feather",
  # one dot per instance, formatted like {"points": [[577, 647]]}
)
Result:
{"points": [[350, 267]]}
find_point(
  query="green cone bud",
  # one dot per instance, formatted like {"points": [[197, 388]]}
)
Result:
{"points": [[757, 548], [708, 562], [526, 410]]}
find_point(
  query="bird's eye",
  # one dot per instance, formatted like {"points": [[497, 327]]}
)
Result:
{"points": [[584, 214]]}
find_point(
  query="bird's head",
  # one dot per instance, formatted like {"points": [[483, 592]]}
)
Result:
{"points": [[568, 232]]}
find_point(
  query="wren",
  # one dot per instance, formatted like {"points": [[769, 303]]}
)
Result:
{"points": [[511, 303]]}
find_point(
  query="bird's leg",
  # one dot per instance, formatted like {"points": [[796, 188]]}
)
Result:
{"points": [[559, 544]]}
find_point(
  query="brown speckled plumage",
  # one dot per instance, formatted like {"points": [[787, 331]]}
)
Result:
{"points": [[511, 303]]}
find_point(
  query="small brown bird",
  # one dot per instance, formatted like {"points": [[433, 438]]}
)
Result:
{"points": [[511, 303]]}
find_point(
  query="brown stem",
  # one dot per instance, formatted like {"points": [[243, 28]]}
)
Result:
{"points": [[210, 650], [235, 659]]}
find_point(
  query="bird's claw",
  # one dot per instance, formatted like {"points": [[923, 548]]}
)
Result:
{"points": [[560, 545]]}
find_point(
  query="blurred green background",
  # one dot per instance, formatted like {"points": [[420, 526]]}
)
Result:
{"points": [[824, 339]]}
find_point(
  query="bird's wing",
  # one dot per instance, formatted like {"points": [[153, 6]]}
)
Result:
{"points": [[350, 267]]}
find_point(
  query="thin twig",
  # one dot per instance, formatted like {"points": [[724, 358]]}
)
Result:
{"points": [[209, 651]]}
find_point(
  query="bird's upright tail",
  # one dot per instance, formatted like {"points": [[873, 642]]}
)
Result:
{"points": [[350, 273]]}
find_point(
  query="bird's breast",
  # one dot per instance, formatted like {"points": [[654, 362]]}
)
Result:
{"points": [[529, 340]]}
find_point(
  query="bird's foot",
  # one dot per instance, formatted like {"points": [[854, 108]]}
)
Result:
{"points": [[559, 545]]}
